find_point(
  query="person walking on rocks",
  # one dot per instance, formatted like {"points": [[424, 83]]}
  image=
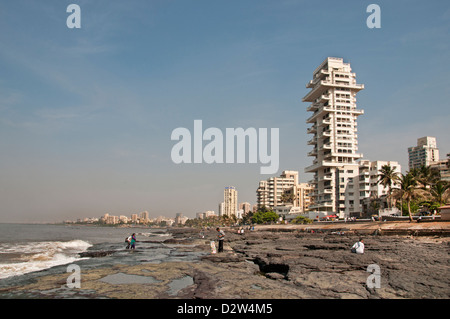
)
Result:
{"points": [[133, 241], [220, 236]]}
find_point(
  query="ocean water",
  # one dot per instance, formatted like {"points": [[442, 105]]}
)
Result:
{"points": [[30, 250]]}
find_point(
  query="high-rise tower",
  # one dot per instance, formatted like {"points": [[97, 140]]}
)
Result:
{"points": [[425, 153], [230, 201], [334, 130]]}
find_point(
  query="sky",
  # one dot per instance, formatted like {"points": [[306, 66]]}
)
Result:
{"points": [[86, 114]]}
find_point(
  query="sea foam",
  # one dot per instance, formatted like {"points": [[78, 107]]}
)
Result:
{"points": [[23, 258]]}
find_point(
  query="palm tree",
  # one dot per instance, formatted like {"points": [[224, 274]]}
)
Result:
{"points": [[388, 177], [408, 190], [440, 192], [427, 176]]}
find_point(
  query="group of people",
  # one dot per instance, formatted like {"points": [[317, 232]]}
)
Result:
{"points": [[131, 241], [357, 248]]}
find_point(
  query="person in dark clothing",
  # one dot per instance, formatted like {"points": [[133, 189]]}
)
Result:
{"points": [[220, 236]]}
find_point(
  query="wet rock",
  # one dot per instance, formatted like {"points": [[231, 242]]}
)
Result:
{"points": [[94, 254]]}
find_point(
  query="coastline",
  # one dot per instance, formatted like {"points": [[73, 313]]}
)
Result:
{"points": [[275, 262]]}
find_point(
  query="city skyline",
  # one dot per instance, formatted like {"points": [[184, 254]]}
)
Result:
{"points": [[86, 114]]}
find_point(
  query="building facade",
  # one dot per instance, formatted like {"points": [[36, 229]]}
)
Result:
{"points": [[230, 201], [425, 153], [273, 192], [443, 168], [334, 133]]}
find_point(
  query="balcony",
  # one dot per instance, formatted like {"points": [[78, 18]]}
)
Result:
{"points": [[313, 152], [312, 129]]}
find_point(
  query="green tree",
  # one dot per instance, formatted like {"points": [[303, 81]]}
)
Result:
{"points": [[261, 217], [439, 195], [388, 177], [288, 197], [408, 190], [301, 220], [427, 176]]}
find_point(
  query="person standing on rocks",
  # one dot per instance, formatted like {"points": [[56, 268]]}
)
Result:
{"points": [[133, 241], [220, 236]]}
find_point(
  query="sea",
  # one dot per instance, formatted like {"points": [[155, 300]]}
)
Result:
{"points": [[28, 251]]}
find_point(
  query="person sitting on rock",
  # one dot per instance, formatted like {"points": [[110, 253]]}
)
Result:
{"points": [[358, 247]]}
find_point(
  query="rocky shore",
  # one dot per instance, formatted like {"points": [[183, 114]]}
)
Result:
{"points": [[277, 262]]}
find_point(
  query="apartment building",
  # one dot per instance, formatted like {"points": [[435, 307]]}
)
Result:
{"points": [[230, 201], [245, 207], [334, 134], [425, 153], [270, 192], [442, 167]]}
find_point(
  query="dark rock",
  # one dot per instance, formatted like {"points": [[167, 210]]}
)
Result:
{"points": [[94, 254]]}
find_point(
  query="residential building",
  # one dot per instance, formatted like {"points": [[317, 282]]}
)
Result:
{"points": [[230, 201], [180, 219], [334, 133], [111, 220], [373, 196], [270, 192], [221, 208], [443, 168], [200, 215], [245, 207], [144, 217], [123, 219], [424, 153], [209, 213]]}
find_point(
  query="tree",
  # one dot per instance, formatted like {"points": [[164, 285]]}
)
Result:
{"points": [[408, 190], [388, 177], [439, 194], [261, 217], [427, 176], [301, 220], [288, 197]]}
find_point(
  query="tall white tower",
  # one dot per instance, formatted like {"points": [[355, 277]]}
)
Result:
{"points": [[334, 134], [230, 201]]}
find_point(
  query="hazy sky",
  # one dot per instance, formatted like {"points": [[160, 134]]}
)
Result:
{"points": [[86, 115]]}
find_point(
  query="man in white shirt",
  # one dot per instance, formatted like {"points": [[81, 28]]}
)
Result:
{"points": [[358, 247]]}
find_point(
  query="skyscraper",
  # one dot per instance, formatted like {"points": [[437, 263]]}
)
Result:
{"points": [[334, 130], [230, 201], [424, 153]]}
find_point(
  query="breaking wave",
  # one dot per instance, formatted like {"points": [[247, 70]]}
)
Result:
{"points": [[23, 258]]}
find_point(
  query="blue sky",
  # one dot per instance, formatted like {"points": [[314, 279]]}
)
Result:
{"points": [[86, 114]]}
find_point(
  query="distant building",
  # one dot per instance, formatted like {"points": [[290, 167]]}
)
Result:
{"points": [[245, 207], [274, 191], [180, 219], [111, 220], [209, 213], [144, 217], [200, 215], [230, 201], [425, 153], [443, 168], [221, 208], [123, 219]]}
